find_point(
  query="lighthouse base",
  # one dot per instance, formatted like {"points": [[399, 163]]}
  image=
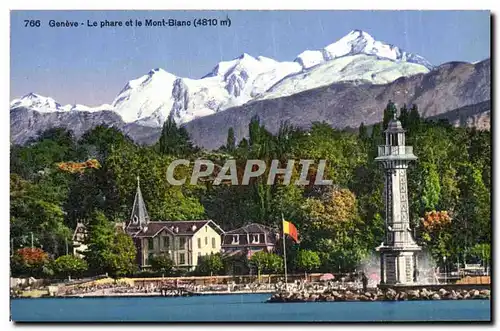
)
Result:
{"points": [[397, 266]]}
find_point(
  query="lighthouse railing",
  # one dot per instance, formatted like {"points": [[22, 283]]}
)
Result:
{"points": [[386, 150]]}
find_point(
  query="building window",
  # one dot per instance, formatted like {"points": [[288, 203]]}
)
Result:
{"points": [[199, 254], [236, 239], [150, 244], [182, 258], [166, 242], [150, 257], [206, 241], [213, 242], [182, 243], [199, 242], [255, 238]]}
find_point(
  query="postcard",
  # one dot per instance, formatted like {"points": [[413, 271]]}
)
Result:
{"points": [[250, 166]]}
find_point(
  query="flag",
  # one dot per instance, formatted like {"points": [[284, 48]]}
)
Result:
{"points": [[291, 230]]}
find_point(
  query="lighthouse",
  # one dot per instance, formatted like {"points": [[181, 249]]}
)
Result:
{"points": [[398, 251]]}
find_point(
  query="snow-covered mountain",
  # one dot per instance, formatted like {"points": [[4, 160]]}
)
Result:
{"points": [[151, 98], [358, 42], [43, 104], [356, 69]]}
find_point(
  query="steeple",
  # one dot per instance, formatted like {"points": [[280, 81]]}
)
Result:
{"points": [[139, 217]]}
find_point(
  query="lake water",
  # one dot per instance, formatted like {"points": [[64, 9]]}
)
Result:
{"points": [[241, 308]]}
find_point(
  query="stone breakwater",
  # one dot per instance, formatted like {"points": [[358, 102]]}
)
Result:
{"points": [[379, 295]]}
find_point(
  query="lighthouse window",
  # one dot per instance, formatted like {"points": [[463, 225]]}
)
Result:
{"points": [[394, 139]]}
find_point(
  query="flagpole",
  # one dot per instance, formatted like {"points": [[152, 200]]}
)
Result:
{"points": [[284, 250]]}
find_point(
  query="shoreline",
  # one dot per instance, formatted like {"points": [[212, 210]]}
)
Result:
{"points": [[389, 294], [142, 295]]}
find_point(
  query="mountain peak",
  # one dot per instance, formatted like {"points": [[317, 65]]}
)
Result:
{"points": [[245, 56], [154, 71], [32, 96], [358, 42], [36, 102]]}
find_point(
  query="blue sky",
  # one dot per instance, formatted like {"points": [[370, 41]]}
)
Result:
{"points": [[91, 65]]}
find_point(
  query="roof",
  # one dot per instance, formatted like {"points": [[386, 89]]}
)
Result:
{"points": [[181, 228], [252, 228], [80, 229], [151, 230], [139, 214], [394, 126], [267, 236]]}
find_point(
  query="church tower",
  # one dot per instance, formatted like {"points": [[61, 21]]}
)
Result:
{"points": [[397, 252], [139, 218]]}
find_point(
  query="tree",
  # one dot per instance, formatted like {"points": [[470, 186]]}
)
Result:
{"points": [[414, 119], [362, 132], [162, 263], [332, 228], [389, 112], [431, 187], [254, 131], [436, 234], [50, 146], [231, 140], [473, 214], [266, 262], [29, 262], [274, 263], [170, 202], [123, 258], [99, 243], [173, 140], [259, 260], [307, 260], [482, 251], [69, 265], [403, 116], [108, 250], [34, 208], [99, 141], [210, 264]]}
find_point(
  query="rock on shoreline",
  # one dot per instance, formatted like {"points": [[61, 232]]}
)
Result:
{"points": [[378, 295]]}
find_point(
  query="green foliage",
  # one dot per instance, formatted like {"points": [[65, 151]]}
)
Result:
{"points": [[362, 132], [431, 187], [173, 140], [170, 202], [33, 212], [389, 112], [212, 264], [274, 263], [162, 263], [109, 250], [40, 154], [403, 116], [482, 252], [99, 141], [123, 258], [266, 262], [231, 140], [307, 260], [340, 223], [69, 265], [29, 262]]}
